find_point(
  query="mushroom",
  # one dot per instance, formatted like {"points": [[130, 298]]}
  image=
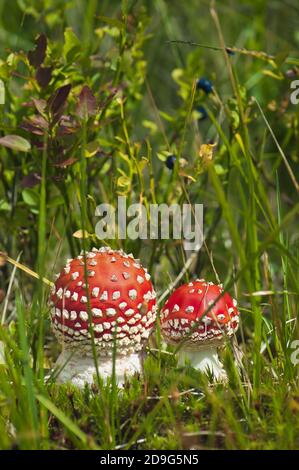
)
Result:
{"points": [[190, 318], [122, 313]]}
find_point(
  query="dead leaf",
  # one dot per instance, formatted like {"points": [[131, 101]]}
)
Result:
{"points": [[206, 152]]}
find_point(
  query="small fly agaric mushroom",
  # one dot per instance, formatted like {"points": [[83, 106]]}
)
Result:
{"points": [[189, 317], [122, 312]]}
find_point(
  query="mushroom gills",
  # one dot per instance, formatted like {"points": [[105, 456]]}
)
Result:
{"points": [[80, 370], [205, 360]]}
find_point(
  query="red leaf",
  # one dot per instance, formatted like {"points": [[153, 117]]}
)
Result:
{"points": [[87, 105], [43, 76], [15, 142], [27, 126], [40, 105], [69, 161], [37, 56], [31, 180], [35, 124], [58, 99]]}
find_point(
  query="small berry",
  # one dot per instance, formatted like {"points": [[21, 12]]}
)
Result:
{"points": [[170, 161], [205, 85], [230, 51], [203, 113]]}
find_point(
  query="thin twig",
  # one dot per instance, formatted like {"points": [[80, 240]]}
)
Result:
{"points": [[232, 49]]}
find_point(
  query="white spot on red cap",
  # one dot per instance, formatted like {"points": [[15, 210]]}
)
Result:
{"points": [[65, 314], [129, 312], [133, 294], [104, 295], [189, 309], [59, 293], [98, 328], [83, 315], [110, 312], [73, 315], [116, 295], [97, 312], [95, 292]]}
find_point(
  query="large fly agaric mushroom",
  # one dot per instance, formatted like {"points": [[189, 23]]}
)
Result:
{"points": [[199, 315], [118, 302]]}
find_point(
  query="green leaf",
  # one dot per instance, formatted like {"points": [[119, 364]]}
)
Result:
{"points": [[30, 197], [91, 149], [152, 126], [55, 201], [219, 169], [72, 45], [111, 21], [15, 142], [163, 155], [105, 168], [4, 205], [166, 116]]}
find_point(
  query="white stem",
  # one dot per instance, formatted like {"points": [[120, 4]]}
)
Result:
{"points": [[79, 369], [205, 360]]}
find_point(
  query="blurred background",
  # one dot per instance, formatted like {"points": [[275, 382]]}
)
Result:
{"points": [[267, 25]]}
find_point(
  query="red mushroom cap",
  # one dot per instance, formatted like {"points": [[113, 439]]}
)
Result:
{"points": [[184, 314], [122, 302]]}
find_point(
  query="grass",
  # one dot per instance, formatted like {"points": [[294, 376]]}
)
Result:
{"points": [[146, 109]]}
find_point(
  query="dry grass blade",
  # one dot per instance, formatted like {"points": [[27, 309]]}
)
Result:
{"points": [[27, 270]]}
